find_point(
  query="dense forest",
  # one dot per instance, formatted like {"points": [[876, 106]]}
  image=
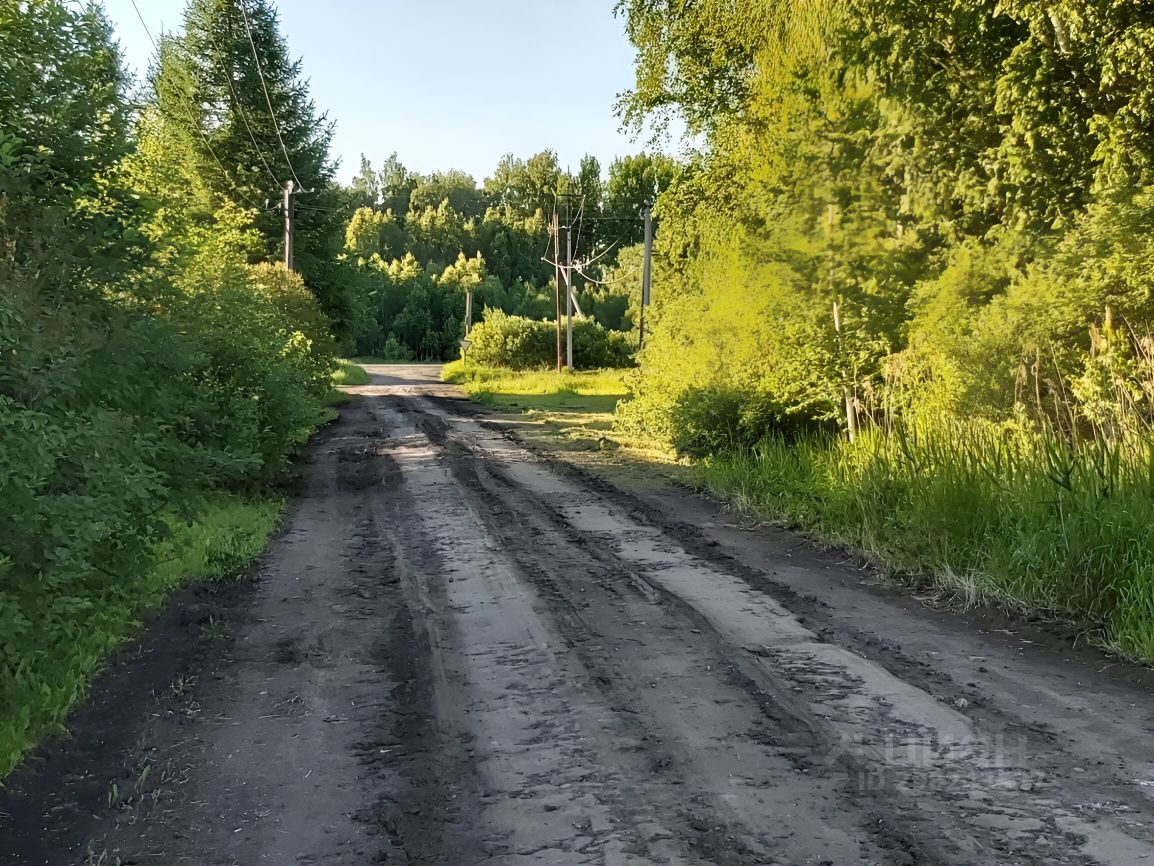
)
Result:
{"points": [[160, 367], [419, 243], [926, 227], [967, 184]]}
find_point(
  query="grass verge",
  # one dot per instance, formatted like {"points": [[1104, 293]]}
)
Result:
{"points": [[575, 410], [350, 373], [979, 515], [217, 539]]}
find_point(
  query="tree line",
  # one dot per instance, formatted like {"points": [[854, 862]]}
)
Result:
{"points": [[156, 360], [968, 184], [418, 243]]}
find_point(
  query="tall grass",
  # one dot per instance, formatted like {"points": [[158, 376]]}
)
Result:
{"points": [[1024, 519]]}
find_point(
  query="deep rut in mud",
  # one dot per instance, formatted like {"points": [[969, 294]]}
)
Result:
{"points": [[461, 652]]}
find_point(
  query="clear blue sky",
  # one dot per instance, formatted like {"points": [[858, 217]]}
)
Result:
{"points": [[446, 83]]}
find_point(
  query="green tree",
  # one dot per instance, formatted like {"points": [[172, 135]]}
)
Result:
{"points": [[235, 98], [523, 187], [455, 187]]}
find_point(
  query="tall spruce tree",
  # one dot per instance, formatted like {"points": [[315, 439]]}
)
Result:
{"points": [[239, 103]]}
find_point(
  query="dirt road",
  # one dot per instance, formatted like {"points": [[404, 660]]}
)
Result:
{"points": [[461, 651]]}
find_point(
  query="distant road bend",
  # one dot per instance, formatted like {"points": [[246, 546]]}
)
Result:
{"points": [[462, 651]]}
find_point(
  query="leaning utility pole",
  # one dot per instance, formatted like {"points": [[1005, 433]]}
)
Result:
{"points": [[569, 295], [289, 219], [556, 231], [646, 271]]}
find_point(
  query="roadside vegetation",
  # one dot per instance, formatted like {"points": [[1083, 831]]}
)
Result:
{"points": [[902, 294], [902, 298], [416, 245], [572, 411], [1024, 521], [538, 388], [157, 374], [349, 373]]}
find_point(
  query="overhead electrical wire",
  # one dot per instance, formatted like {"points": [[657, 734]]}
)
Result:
{"points": [[252, 137], [299, 206], [267, 97], [192, 116], [580, 223], [549, 242], [629, 276], [604, 252]]}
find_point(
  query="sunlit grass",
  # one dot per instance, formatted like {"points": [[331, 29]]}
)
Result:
{"points": [[350, 373], [1029, 522], [573, 410], [537, 383]]}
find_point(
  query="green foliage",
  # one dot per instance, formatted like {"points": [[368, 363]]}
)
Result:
{"points": [[215, 110], [526, 187], [146, 365], [706, 421], [985, 513], [66, 644], [349, 373], [495, 380], [518, 343], [498, 233], [909, 216], [513, 342], [967, 184]]}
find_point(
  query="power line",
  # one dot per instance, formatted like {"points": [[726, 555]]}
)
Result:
{"points": [[243, 116], [605, 219], [192, 117], [580, 223], [594, 259], [325, 209], [549, 240], [629, 276], [264, 87], [604, 252]]}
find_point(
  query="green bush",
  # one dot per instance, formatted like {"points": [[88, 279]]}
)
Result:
{"points": [[518, 343], [707, 420], [256, 382], [595, 347], [514, 342], [145, 367], [286, 291]]}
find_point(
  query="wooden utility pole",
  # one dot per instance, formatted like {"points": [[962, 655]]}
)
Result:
{"points": [[646, 271], [556, 230], [289, 224], [569, 295]]}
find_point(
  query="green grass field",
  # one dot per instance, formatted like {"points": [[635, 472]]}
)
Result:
{"points": [[575, 409], [1030, 525]]}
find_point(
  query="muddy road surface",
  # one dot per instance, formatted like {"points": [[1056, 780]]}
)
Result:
{"points": [[464, 651]]}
